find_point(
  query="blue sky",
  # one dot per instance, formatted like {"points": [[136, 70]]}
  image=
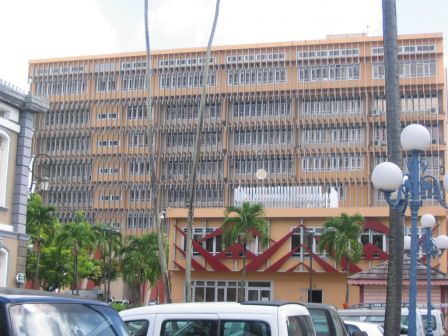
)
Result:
{"points": [[57, 28]]}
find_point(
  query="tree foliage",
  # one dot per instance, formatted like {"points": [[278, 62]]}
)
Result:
{"points": [[140, 263], [78, 237], [341, 239], [108, 245], [243, 224], [42, 226]]}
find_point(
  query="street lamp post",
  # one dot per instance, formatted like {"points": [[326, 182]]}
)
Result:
{"points": [[41, 181], [432, 248], [410, 188]]}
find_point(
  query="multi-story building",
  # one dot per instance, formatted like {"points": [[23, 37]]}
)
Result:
{"points": [[17, 111], [311, 114]]}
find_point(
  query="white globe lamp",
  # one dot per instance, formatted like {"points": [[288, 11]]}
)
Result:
{"points": [[407, 242], [415, 137], [442, 242], [428, 221], [387, 176]]}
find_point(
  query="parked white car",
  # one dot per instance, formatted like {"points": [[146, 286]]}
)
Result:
{"points": [[370, 329], [377, 316], [436, 321], [261, 318]]}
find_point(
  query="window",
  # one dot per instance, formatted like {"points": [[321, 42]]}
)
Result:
{"points": [[374, 237], [189, 327], [182, 79], [4, 162], [332, 53], [133, 82], [107, 115], [184, 62], [139, 220], [251, 58], [137, 112], [409, 68], [65, 319], [138, 327], [106, 84], [331, 106], [261, 108], [332, 72], [332, 162], [300, 325], [256, 76], [108, 143], [296, 241], [109, 198], [217, 291]]}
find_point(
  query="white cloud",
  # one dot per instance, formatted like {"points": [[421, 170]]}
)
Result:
{"points": [[47, 29], [56, 28]]}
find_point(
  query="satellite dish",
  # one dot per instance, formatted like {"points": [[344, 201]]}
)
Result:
{"points": [[261, 174]]}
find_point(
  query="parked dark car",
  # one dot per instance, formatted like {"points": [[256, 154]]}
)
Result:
{"points": [[326, 320], [30, 312]]}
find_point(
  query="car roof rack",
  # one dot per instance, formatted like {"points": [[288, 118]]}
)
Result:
{"points": [[381, 305], [269, 303]]}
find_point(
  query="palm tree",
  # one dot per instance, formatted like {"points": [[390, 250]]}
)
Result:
{"points": [[197, 141], [107, 242], [41, 225], [140, 262], [241, 224], [394, 154], [76, 236], [341, 238], [153, 163]]}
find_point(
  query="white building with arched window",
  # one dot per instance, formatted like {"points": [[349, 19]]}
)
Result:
{"points": [[16, 130]]}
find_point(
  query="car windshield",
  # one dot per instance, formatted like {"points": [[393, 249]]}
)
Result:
{"points": [[65, 319]]}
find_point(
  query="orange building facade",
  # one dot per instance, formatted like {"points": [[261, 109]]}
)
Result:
{"points": [[311, 114]]}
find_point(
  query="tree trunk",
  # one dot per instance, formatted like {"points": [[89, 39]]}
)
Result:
{"points": [[36, 274], [105, 295], [396, 236], [243, 274], [196, 154], [347, 288], [75, 277], [152, 161]]}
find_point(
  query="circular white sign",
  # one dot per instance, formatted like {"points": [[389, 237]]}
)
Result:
{"points": [[261, 174]]}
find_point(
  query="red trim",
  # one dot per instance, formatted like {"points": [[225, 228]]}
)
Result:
{"points": [[213, 234], [322, 263], [197, 266], [373, 252], [276, 266], [300, 264], [178, 265], [214, 262], [259, 260], [374, 224], [353, 268], [235, 250]]}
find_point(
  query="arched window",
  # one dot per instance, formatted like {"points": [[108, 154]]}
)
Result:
{"points": [[3, 266], [4, 162]]}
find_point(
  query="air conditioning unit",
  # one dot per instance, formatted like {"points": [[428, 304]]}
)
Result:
{"points": [[434, 110], [434, 141], [375, 113]]}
